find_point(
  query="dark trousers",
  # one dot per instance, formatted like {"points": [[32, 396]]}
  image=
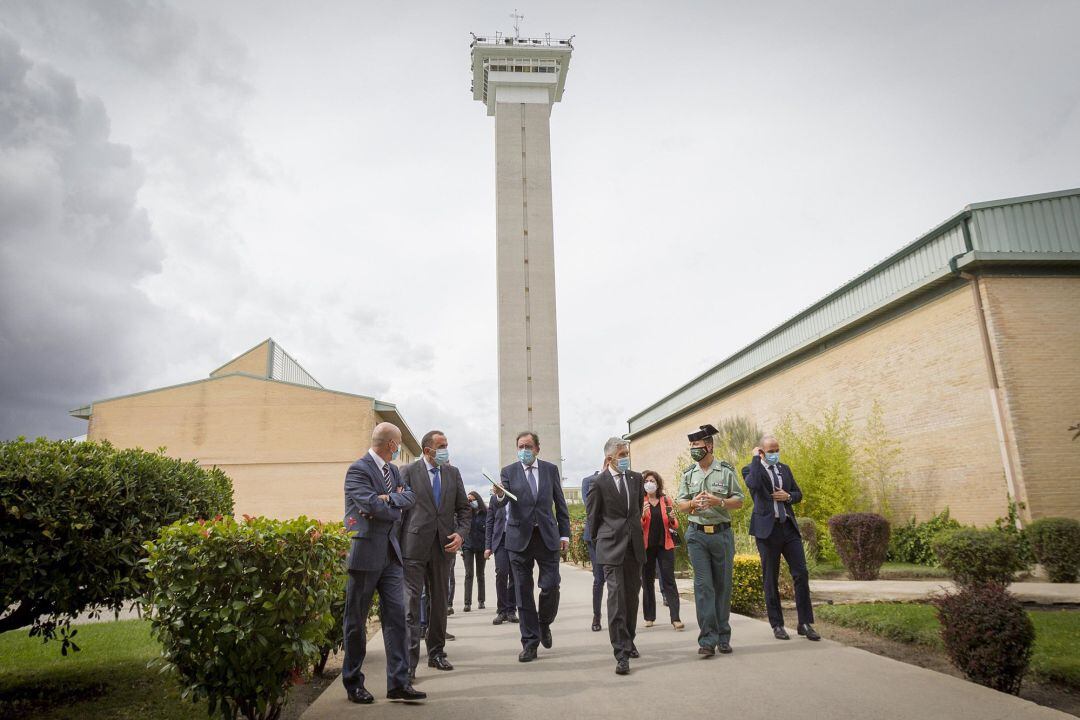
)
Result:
{"points": [[451, 561], [505, 596], [785, 541], [623, 585], [474, 559], [359, 590], [530, 617], [597, 579], [657, 556], [431, 572]]}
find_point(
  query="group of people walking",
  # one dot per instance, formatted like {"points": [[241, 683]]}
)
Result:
{"points": [[408, 524]]}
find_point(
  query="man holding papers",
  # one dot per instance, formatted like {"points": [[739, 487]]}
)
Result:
{"points": [[537, 529]]}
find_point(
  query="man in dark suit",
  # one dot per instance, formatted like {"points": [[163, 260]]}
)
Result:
{"points": [[590, 544], [613, 506], [773, 524], [534, 535], [375, 497], [432, 532], [495, 544]]}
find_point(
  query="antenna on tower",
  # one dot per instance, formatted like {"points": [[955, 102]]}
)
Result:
{"points": [[517, 23]]}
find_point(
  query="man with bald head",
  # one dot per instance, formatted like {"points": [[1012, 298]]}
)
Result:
{"points": [[375, 497]]}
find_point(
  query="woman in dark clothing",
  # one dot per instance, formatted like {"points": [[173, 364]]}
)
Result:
{"points": [[473, 551], [659, 524]]}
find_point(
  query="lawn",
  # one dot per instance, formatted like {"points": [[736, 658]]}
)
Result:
{"points": [[108, 678], [1057, 633], [889, 571]]}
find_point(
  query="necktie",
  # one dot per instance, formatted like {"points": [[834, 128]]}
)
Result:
{"points": [[532, 480], [436, 485], [621, 483], [386, 478], [779, 511]]}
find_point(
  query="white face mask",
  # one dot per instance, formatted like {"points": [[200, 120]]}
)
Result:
{"points": [[650, 487]]}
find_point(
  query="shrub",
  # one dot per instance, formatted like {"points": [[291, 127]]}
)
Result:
{"points": [[1009, 527], [242, 609], [747, 591], [862, 540], [73, 518], [578, 552], [976, 557], [811, 542], [911, 542], [987, 635], [1056, 545]]}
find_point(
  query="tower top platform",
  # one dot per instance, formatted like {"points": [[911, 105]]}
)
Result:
{"points": [[518, 67]]}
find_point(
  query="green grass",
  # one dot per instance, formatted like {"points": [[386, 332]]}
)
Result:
{"points": [[108, 678], [1057, 633], [889, 571]]}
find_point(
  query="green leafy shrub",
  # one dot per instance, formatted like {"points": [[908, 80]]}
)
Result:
{"points": [[578, 552], [987, 635], [1009, 526], [811, 541], [862, 541], [976, 557], [911, 542], [73, 518], [243, 609], [747, 591], [1055, 543]]}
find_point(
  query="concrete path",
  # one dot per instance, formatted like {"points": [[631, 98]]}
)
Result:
{"points": [[847, 591], [764, 678]]}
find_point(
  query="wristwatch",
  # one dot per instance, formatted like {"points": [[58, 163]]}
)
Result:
{"points": [[723, 502]]}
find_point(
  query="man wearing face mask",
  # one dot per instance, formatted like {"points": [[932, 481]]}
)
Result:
{"points": [[535, 534], [432, 533], [707, 491], [612, 506], [773, 487]]}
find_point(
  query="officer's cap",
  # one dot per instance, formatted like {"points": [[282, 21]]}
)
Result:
{"points": [[705, 432]]}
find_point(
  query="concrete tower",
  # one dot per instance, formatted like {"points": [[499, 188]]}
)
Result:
{"points": [[518, 80]]}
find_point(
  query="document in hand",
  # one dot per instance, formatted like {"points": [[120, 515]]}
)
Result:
{"points": [[509, 494]]}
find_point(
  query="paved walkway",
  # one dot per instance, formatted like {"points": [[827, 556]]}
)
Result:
{"points": [[764, 678], [845, 591]]}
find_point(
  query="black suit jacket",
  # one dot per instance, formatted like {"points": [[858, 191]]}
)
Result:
{"points": [[424, 523], [530, 511], [616, 526], [760, 486]]}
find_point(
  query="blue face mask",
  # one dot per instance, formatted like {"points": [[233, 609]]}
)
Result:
{"points": [[772, 458], [396, 455], [623, 464], [442, 456], [526, 456]]}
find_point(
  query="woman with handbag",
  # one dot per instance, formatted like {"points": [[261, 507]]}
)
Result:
{"points": [[659, 525]]}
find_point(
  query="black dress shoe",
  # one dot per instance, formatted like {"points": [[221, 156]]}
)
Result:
{"points": [[622, 667], [596, 625], [439, 662], [780, 633], [361, 696], [480, 606], [449, 611], [499, 619], [706, 651], [724, 648], [406, 693], [545, 636], [809, 631], [635, 654], [512, 617], [451, 637], [468, 608], [527, 655]]}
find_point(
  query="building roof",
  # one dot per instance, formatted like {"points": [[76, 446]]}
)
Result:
{"points": [[1030, 231]]}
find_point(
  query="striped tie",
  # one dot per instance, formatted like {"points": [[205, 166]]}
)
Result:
{"points": [[386, 478]]}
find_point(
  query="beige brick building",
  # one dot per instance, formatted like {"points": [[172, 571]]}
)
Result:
{"points": [[284, 439], [969, 338]]}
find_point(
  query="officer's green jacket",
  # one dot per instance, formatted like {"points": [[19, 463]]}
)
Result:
{"points": [[720, 480]]}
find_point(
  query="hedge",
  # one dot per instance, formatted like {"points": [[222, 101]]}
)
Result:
{"points": [[242, 610], [862, 541], [73, 519], [912, 541], [976, 557], [1056, 545], [747, 591]]}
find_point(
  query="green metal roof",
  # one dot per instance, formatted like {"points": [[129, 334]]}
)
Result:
{"points": [[1037, 229]]}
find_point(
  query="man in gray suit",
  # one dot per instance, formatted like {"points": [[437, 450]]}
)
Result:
{"points": [[375, 498], [432, 533], [613, 505]]}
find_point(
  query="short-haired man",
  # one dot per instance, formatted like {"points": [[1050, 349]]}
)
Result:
{"points": [[535, 534], [590, 545], [495, 545], [375, 497], [707, 491], [774, 490], [612, 506]]}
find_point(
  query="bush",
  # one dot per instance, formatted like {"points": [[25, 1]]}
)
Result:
{"points": [[1008, 526], [73, 518], [862, 541], [811, 541], [911, 542], [976, 557], [578, 552], [1055, 543], [242, 609], [987, 635], [747, 591]]}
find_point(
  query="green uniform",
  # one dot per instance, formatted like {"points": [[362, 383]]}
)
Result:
{"points": [[712, 554]]}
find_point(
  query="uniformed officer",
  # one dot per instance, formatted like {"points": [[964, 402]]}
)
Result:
{"points": [[708, 489]]}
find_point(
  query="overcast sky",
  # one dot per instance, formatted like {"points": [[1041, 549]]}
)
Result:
{"points": [[180, 180]]}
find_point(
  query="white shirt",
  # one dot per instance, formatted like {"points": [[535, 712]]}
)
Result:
{"points": [[378, 460], [772, 483]]}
